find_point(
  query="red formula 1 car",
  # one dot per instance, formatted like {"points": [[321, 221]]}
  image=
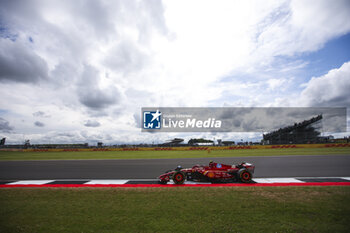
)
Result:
{"points": [[215, 172]]}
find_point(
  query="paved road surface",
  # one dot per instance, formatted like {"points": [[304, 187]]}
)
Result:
{"points": [[274, 166]]}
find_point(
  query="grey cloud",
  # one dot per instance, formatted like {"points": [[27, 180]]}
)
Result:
{"points": [[91, 95], [152, 18], [69, 135], [97, 99], [5, 126], [237, 116], [7, 33], [105, 18], [137, 119], [41, 114], [63, 74], [236, 123], [13, 8], [92, 123], [271, 112], [96, 13], [100, 113], [39, 124], [100, 20], [94, 138], [125, 58], [61, 137], [19, 64]]}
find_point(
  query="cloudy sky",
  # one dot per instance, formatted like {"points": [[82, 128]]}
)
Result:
{"points": [[80, 71]]}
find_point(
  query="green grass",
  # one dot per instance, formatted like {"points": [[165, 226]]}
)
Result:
{"points": [[12, 155], [190, 209]]}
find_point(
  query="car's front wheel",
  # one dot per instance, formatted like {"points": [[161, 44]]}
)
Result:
{"points": [[179, 177]]}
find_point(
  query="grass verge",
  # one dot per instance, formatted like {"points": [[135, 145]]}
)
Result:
{"points": [[215, 209], [14, 155]]}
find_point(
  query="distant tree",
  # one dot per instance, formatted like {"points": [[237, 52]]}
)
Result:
{"points": [[228, 143], [2, 141]]}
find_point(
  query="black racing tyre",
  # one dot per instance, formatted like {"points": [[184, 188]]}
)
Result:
{"points": [[179, 177], [244, 176], [163, 182]]}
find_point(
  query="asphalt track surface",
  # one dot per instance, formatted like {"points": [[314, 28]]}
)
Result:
{"points": [[269, 166]]}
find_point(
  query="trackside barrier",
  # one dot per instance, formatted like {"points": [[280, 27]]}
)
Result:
{"points": [[239, 147], [338, 145], [130, 149], [196, 148], [163, 148], [70, 149], [283, 146]]}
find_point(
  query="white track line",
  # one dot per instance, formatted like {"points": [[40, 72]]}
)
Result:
{"points": [[124, 181], [277, 180], [29, 182], [107, 182]]}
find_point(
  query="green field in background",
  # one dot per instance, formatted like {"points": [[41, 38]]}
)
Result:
{"points": [[179, 209], [11, 155]]}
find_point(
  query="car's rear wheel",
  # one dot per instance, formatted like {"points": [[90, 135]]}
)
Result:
{"points": [[179, 177], [244, 176]]}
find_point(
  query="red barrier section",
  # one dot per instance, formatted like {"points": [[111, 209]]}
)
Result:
{"points": [[70, 149], [131, 149], [198, 148], [337, 145], [283, 146], [163, 148], [239, 147], [172, 186], [40, 150]]}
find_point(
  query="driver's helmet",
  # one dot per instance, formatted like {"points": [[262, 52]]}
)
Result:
{"points": [[178, 168], [211, 163]]}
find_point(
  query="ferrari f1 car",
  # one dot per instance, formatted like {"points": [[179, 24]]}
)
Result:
{"points": [[214, 173]]}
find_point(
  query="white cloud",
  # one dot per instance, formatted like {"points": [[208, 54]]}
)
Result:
{"points": [[275, 83], [304, 26], [331, 89]]}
